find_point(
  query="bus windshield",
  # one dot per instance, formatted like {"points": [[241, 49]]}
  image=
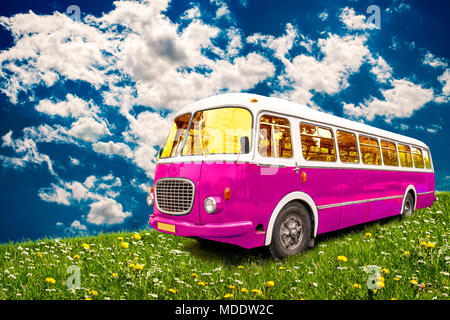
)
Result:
{"points": [[218, 131]]}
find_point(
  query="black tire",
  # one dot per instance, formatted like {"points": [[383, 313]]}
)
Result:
{"points": [[408, 206], [291, 232]]}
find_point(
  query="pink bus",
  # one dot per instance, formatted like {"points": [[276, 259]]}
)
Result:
{"points": [[257, 171]]}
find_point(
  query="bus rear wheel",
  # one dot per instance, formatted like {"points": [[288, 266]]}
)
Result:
{"points": [[408, 206], [291, 231]]}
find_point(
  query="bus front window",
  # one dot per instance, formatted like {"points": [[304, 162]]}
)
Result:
{"points": [[176, 136], [218, 131]]}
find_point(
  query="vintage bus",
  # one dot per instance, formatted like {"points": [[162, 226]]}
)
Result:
{"points": [[252, 171]]}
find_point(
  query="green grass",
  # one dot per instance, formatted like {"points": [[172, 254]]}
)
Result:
{"points": [[193, 271]]}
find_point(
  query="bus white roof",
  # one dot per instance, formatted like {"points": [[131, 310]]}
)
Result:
{"points": [[293, 109]]}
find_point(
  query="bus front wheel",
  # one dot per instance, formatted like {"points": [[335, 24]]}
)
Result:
{"points": [[291, 231]]}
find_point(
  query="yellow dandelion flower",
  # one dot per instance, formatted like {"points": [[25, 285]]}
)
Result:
{"points": [[124, 245], [93, 293], [231, 287], [413, 281], [406, 253], [120, 238], [137, 236], [115, 275], [396, 279], [342, 258], [50, 280], [240, 267], [270, 283], [380, 284], [86, 246], [422, 286], [138, 267], [281, 268], [131, 265], [431, 245], [88, 298], [423, 243], [374, 290], [40, 255], [385, 271], [393, 298], [257, 291], [75, 257], [228, 296], [380, 278], [201, 283], [244, 290], [357, 286], [194, 275], [368, 235], [171, 290]]}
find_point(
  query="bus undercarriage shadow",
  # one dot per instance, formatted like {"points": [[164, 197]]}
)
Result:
{"points": [[232, 254]]}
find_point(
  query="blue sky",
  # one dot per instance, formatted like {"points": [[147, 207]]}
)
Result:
{"points": [[86, 100]]}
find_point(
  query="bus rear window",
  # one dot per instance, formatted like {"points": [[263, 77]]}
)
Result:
{"points": [[317, 143], [370, 150], [405, 156], [417, 157], [389, 152]]}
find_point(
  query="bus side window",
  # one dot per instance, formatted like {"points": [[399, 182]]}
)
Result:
{"points": [[426, 157], [389, 152], [405, 156], [317, 143], [370, 150], [417, 157], [274, 137], [348, 150]]}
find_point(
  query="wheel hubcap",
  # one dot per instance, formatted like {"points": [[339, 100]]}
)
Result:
{"points": [[291, 232]]}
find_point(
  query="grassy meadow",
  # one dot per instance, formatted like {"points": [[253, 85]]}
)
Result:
{"points": [[412, 256]]}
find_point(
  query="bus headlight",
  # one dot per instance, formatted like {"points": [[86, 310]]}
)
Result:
{"points": [[150, 200], [210, 205]]}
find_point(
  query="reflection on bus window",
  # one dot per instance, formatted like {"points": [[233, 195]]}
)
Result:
{"points": [[348, 150], [389, 152], [426, 157], [176, 136], [417, 157], [317, 143], [370, 150], [404, 153], [218, 131], [274, 137]]}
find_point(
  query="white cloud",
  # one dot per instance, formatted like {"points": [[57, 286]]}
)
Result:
{"points": [[433, 61], [73, 107], [106, 211], [192, 13], [353, 21], [113, 148], [78, 226], [380, 69], [89, 130], [55, 194], [445, 80], [74, 161], [323, 16], [400, 101]]}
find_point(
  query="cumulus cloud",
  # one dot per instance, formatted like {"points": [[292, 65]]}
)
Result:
{"points": [[433, 61], [71, 107], [113, 148], [353, 21], [400, 101], [89, 130], [76, 225], [106, 211]]}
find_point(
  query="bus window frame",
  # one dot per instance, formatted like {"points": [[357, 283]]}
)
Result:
{"points": [[322, 126], [272, 114], [357, 147], [379, 150]]}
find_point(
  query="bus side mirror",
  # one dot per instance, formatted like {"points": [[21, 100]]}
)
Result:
{"points": [[245, 144]]}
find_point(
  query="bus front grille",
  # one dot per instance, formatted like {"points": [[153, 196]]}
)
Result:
{"points": [[174, 195]]}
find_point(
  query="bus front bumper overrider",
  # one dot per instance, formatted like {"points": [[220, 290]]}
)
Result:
{"points": [[210, 230]]}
